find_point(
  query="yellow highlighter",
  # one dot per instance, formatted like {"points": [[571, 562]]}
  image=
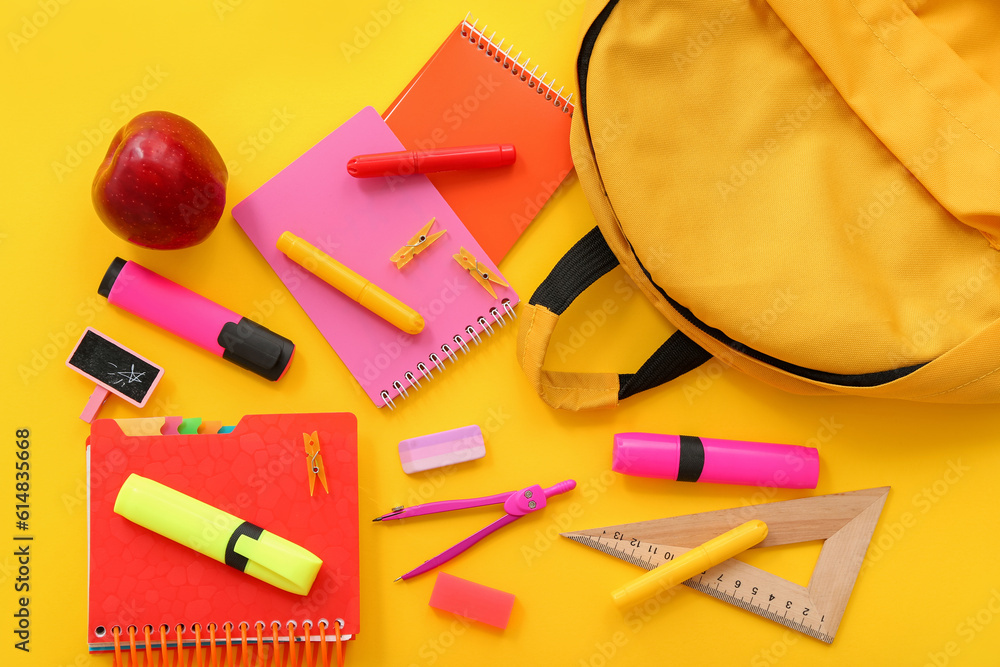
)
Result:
{"points": [[217, 534], [687, 565], [372, 297]]}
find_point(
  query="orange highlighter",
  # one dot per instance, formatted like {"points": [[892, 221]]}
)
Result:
{"points": [[338, 276]]}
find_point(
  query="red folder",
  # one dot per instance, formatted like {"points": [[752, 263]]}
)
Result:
{"points": [[259, 473]]}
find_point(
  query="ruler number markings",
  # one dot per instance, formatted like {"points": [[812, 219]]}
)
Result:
{"points": [[619, 540]]}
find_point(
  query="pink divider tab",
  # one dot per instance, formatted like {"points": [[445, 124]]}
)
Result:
{"points": [[441, 449], [171, 424], [471, 600]]}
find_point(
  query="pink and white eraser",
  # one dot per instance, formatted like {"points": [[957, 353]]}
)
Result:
{"points": [[472, 600], [441, 449]]}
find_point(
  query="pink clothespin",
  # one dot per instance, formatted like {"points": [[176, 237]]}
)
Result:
{"points": [[516, 504]]}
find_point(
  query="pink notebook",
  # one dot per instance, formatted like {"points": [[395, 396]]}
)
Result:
{"points": [[361, 223]]}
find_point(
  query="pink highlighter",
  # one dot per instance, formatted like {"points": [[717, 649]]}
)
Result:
{"points": [[238, 339], [685, 458]]}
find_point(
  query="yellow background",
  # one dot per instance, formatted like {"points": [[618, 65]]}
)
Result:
{"points": [[230, 66]]}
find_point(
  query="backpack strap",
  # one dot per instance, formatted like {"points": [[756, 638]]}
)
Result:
{"points": [[579, 268]]}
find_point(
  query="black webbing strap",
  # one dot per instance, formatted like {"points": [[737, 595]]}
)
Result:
{"points": [[673, 359], [578, 269], [589, 259]]}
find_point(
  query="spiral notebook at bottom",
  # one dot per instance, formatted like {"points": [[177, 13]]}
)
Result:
{"points": [[257, 472], [362, 222]]}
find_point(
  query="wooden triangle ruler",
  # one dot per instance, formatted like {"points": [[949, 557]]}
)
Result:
{"points": [[845, 521]]}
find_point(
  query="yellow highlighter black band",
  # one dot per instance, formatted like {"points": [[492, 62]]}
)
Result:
{"points": [[234, 558], [217, 534]]}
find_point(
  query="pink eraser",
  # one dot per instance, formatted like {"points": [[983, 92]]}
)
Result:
{"points": [[472, 600], [441, 449]]}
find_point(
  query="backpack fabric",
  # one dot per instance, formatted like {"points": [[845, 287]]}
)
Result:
{"points": [[808, 192]]}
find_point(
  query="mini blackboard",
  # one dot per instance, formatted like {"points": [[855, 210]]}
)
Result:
{"points": [[114, 367]]}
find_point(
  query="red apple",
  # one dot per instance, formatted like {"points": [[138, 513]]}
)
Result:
{"points": [[162, 184]]}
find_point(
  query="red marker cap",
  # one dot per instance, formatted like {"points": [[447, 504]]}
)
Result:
{"points": [[404, 163]]}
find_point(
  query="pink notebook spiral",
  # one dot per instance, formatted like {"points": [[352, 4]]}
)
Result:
{"points": [[361, 223]]}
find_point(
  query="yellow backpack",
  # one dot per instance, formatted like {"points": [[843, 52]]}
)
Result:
{"points": [[841, 158]]}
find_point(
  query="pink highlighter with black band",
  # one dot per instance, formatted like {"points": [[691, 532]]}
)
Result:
{"points": [[152, 297], [685, 458]]}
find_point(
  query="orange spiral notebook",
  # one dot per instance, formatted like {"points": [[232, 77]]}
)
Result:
{"points": [[475, 91], [156, 594]]}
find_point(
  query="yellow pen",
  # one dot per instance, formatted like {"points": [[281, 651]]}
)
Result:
{"points": [[217, 534], [372, 297], [687, 565]]}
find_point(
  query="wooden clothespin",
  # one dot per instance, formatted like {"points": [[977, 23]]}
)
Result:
{"points": [[314, 461], [416, 245], [478, 271]]}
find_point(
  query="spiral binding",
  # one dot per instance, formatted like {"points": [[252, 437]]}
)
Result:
{"points": [[435, 360], [493, 50], [246, 650]]}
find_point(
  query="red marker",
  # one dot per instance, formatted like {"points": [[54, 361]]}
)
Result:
{"points": [[404, 163]]}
